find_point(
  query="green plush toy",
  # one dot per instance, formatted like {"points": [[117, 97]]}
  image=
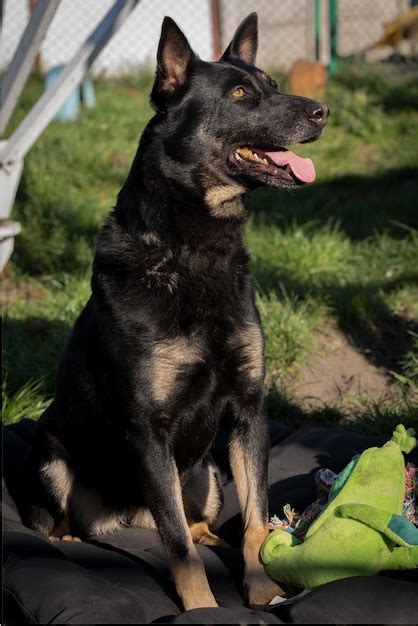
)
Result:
{"points": [[360, 531]]}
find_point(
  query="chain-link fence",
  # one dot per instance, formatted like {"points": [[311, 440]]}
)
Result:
{"points": [[361, 22], [133, 46], [286, 29]]}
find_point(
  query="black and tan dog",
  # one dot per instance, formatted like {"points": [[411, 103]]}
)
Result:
{"points": [[170, 342]]}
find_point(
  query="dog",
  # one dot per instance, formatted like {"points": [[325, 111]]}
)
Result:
{"points": [[170, 342]]}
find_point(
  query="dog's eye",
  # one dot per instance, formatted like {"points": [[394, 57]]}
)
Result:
{"points": [[239, 92]]}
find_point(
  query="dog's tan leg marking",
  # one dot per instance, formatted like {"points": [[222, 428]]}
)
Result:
{"points": [[167, 360], [143, 519], [61, 481], [191, 583], [261, 588], [189, 573], [248, 340], [202, 495], [224, 200], [202, 498], [202, 534]]}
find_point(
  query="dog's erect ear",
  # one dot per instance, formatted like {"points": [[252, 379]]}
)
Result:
{"points": [[174, 58], [245, 41]]}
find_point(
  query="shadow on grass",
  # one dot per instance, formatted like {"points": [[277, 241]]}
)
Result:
{"points": [[372, 420], [400, 98], [361, 205], [390, 85], [56, 236], [384, 337], [32, 348]]}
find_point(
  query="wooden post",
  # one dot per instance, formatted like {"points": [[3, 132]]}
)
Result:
{"points": [[215, 11]]}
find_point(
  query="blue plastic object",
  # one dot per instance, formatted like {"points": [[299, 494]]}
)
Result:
{"points": [[70, 110], [88, 96]]}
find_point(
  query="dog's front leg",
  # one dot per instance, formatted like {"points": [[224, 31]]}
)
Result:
{"points": [[161, 486], [248, 453]]}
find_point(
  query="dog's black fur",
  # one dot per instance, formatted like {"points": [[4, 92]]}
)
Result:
{"points": [[170, 341]]}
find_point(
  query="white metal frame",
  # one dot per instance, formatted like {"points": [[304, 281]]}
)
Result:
{"points": [[14, 149]]}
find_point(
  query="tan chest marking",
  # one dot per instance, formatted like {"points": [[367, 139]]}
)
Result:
{"points": [[248, 341], [225, 200], [168, 360]]}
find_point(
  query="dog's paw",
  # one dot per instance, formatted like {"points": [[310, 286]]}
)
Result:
{"points": [[206, 602], [202, 534], [260, 589], [52, 538], [209, 539]]}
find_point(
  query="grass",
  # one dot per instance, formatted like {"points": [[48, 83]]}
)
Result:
{"points": [[339, 256]]}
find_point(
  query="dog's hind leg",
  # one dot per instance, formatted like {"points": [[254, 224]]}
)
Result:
{"points": [[203, 499], [201, 533], [48, 484]]}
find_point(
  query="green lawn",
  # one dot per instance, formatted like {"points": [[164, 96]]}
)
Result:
{"points": [[339, 256]]}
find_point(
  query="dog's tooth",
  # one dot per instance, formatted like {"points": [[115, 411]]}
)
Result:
{"points": [[248, 154], [245, 152]]}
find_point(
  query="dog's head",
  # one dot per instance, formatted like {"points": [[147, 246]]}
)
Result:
{"points": [[225, 124]]}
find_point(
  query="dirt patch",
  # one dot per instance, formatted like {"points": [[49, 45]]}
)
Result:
{"points": [[121, 158], [13, 289], [338, 376]]}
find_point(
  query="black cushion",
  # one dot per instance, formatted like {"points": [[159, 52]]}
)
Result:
{"points": [[123, 578]]}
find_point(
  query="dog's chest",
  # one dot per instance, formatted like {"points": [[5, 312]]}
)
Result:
{"points": [[192, 378], [218, 340], [202, 364]]}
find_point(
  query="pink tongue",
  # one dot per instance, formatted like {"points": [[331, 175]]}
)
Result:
{"points": [[303, 169]]}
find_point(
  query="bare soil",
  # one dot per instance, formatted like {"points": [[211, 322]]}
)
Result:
{"points": [[13, 289], [339, 375]]}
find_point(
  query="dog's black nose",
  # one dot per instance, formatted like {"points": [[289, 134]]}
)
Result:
{"points": [[317, 112]]}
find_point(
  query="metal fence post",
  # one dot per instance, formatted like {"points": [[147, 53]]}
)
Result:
{"points": [[16, 147], [317, 28], [20, 66], [333, 34]]}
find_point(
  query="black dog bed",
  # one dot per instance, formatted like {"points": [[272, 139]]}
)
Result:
{"points": [[123, 578]]}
